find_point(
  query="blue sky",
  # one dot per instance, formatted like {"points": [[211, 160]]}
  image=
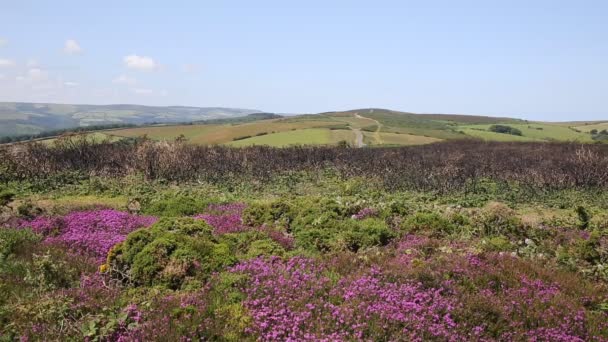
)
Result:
{"points": [[534, 59]]}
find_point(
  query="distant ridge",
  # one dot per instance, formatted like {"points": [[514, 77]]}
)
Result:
{"points": [[18, 118]]}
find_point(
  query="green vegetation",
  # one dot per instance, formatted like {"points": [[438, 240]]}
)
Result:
{"points": [[504, 129], [379, 126], [290, 253], [297, 137]]}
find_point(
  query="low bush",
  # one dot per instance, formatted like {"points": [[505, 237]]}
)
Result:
{"points": [[168, 254], [176, 206]]}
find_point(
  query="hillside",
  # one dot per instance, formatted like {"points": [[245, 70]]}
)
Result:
{"points": [[242, 127], [364, 127], [31, 118]]}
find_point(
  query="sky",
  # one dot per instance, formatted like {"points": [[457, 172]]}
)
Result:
{"points": [[534, 59]]}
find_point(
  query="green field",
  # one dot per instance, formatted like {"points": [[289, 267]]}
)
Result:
{"points": [[401, 139], [587, 128], [530, 132]]}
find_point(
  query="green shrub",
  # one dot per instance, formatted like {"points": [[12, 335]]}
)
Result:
{"points": [[497, 244], [432, 224], [277, 212], [590, 249], [28, 210], [505, 129], [6, 197], [265, 247], [168, 254], [49, 273], [176, 206], [367, 233], [15, 241], [583, 217], [315, 239], [498, 219], [336, 235]]}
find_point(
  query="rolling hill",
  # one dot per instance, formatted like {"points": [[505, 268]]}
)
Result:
{"points": [[30, 118], [242, 127]]}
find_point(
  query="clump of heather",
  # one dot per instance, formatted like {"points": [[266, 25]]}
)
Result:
{"points": [[90, 233], [224, 218], [286, 241], [173, 317], [297, 300]]}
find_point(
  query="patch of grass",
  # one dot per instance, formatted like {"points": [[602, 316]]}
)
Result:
{"points": [[587, 128], [403, 139], [297, 137], [493, 136], [530, 131]]}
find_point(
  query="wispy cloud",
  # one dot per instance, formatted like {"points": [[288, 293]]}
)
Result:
{"points": [[143, 63], [71, 47]]}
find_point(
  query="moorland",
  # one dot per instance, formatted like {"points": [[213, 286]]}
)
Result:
{"points": [[141, 239]]}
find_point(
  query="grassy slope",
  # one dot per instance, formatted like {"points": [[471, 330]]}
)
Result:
{"points": [[405, 139], [532, 131], [412, 129], [167, 132], [313, 136], [588, 128]]}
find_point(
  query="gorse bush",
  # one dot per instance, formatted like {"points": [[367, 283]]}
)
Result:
{"points": [[168, 254], [505, 129]]}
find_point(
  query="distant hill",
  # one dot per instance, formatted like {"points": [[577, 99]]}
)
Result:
{"points": [[243, 127], [18, 118]]}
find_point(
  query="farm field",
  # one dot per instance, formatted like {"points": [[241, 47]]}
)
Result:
{"points": [[454, 240]]}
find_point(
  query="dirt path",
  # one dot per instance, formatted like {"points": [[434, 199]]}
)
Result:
{"points": [[358, 137], [378, 126]]}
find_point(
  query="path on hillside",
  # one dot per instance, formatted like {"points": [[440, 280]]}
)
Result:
{"points": [[378, 126], [358, 137]]}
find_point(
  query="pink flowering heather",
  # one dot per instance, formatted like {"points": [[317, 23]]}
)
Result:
{"points": [[90, 233], [295, 300], [224, 218]]}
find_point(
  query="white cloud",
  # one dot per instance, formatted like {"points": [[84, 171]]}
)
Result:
{"points": [[143, 63], [6, 63], [2, 76], [72, 47], [124, 79], [3, 42], [70, 84], [142, 91]]}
